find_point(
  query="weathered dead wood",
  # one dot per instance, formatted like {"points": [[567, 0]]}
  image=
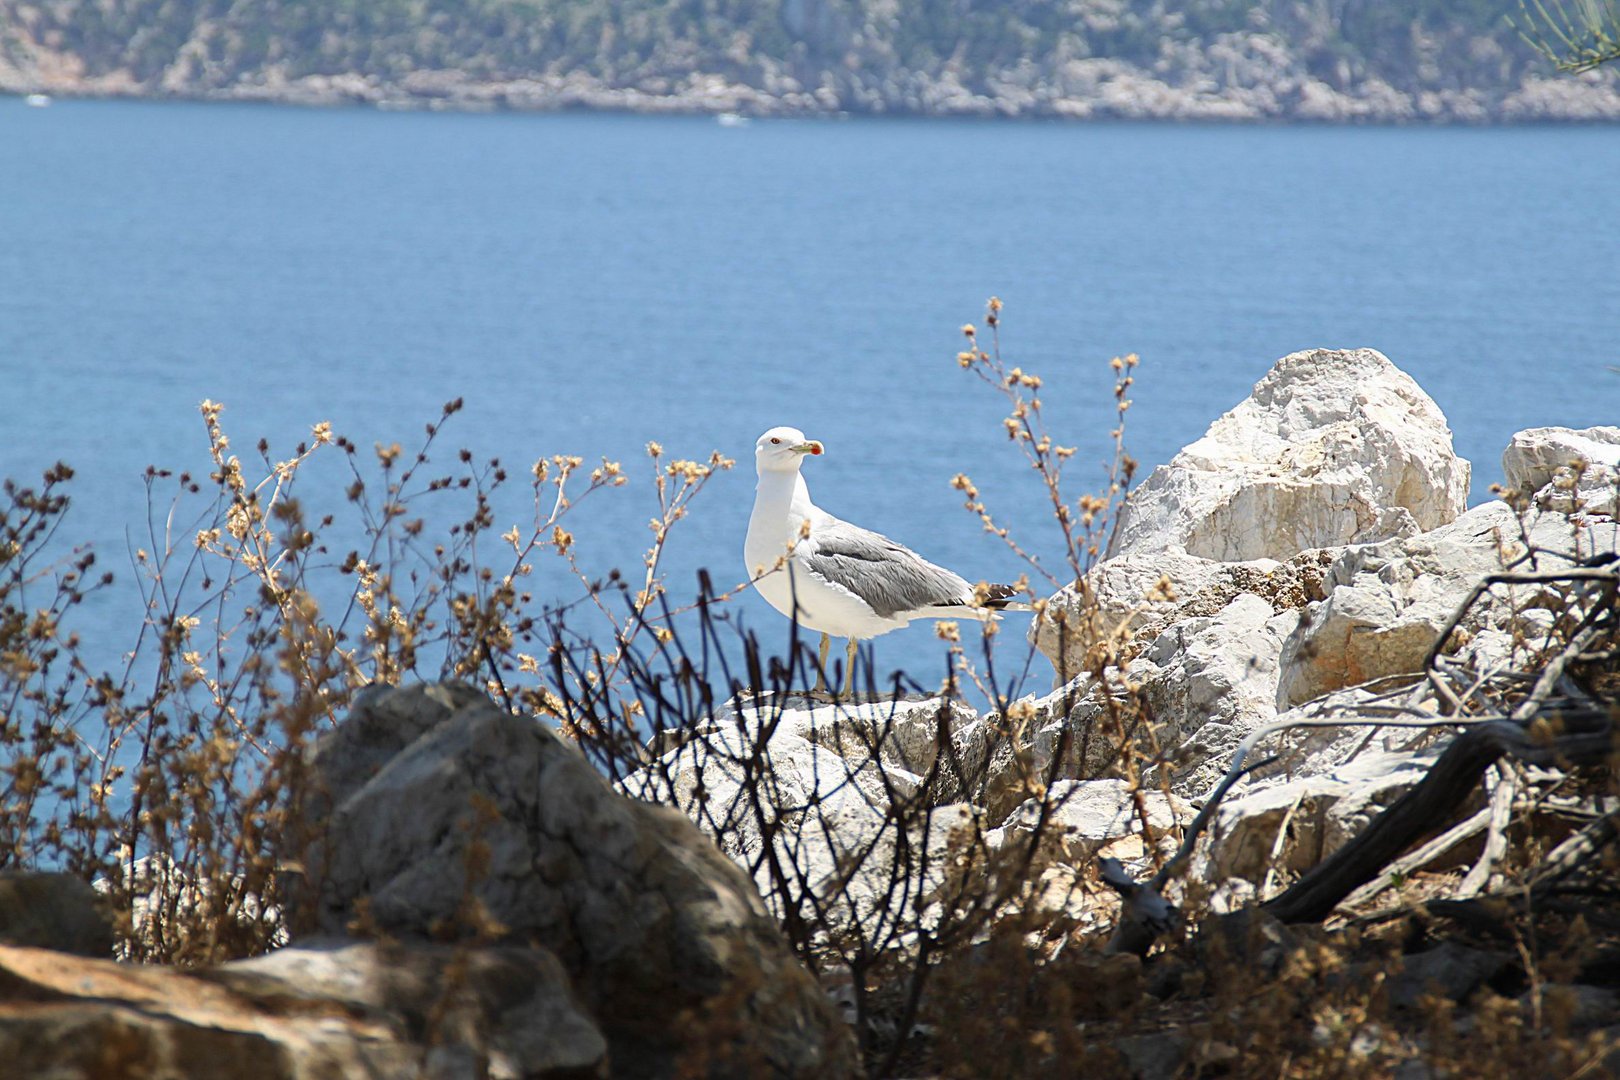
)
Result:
{"points": [[1534, 733], [1558, 738], [1502, 794], [1556, 723], [1576, 851], [1421, 857]]}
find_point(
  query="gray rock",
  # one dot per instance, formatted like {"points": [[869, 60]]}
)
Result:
{"points": [[1159, 1056], [1576, 1006], [1448, 970], [1241, 943], [54, 911], [484, 822]]}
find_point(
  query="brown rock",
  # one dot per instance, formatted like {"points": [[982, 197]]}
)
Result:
{"points": [[339, 1010]]}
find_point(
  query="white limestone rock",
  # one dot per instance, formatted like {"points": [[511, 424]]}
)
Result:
{"points": [[1320, 812], [1211, 681], [1207, 682], [1566, 470], [902, 735], [1332, 447], [1084, 816], [830, 774], [1387, 603], [1136, 597]]}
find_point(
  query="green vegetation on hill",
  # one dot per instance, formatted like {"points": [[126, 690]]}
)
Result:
{"points": [[863, 55]]}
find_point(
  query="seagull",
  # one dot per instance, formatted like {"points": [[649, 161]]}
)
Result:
{"points": [[836, 578]]}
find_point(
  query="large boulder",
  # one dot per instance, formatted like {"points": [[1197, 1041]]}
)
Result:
{"points": [[308, 1012], [54, 911], [441, 814], [1564, 469], [1333, 447]]}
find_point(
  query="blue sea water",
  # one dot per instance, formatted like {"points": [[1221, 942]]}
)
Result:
{"points": [[588, 283]]}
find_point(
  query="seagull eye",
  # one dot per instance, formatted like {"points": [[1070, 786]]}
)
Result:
{"points": [[776, 442]]}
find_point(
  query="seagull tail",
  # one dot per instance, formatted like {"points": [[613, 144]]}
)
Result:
{"points": [[999, 600], [1002, 598]]}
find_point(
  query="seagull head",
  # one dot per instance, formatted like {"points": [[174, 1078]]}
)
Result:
{"points": [[782, 449]]}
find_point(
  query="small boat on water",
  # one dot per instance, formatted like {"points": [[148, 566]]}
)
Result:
{"points": [[38, 101], [731, 119]]}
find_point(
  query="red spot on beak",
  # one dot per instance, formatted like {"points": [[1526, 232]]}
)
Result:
{"points": [[815, 447]]}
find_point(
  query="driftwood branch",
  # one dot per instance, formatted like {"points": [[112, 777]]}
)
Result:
{"points": [[1422, 856], [1564, 739], [1503, 792]]}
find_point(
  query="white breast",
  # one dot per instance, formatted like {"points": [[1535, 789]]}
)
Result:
{"points": [[781, 506]]}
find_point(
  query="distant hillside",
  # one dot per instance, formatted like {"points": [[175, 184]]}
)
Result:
{"points": [[1383, 60]]}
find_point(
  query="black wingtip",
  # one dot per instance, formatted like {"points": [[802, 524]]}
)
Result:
{"points": [[1000, 596]]}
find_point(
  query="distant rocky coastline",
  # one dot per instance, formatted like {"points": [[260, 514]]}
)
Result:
{"points": [[1390, 61], [1098, 89]]}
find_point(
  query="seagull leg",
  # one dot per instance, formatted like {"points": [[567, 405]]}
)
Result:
{"points": [[849, 669], [821, 668]]}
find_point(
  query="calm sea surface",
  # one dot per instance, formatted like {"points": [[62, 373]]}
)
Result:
{"points": [[590, 283]]}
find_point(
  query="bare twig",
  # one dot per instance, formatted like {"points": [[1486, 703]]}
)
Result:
{"points": [[1503, 789]]}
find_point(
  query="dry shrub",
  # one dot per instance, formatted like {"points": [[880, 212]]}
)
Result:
{"points": [[175, 779], [867, 842], [172, 781]]}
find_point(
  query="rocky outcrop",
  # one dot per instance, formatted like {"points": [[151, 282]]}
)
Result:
{"points": [[445, 815], [1313, 542], [307, 1012], [1217, 588], [1387, 604], [1333, 447], [1572, 472]]}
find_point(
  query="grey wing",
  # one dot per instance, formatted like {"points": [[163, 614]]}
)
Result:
{"points": [[889, 577]]}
